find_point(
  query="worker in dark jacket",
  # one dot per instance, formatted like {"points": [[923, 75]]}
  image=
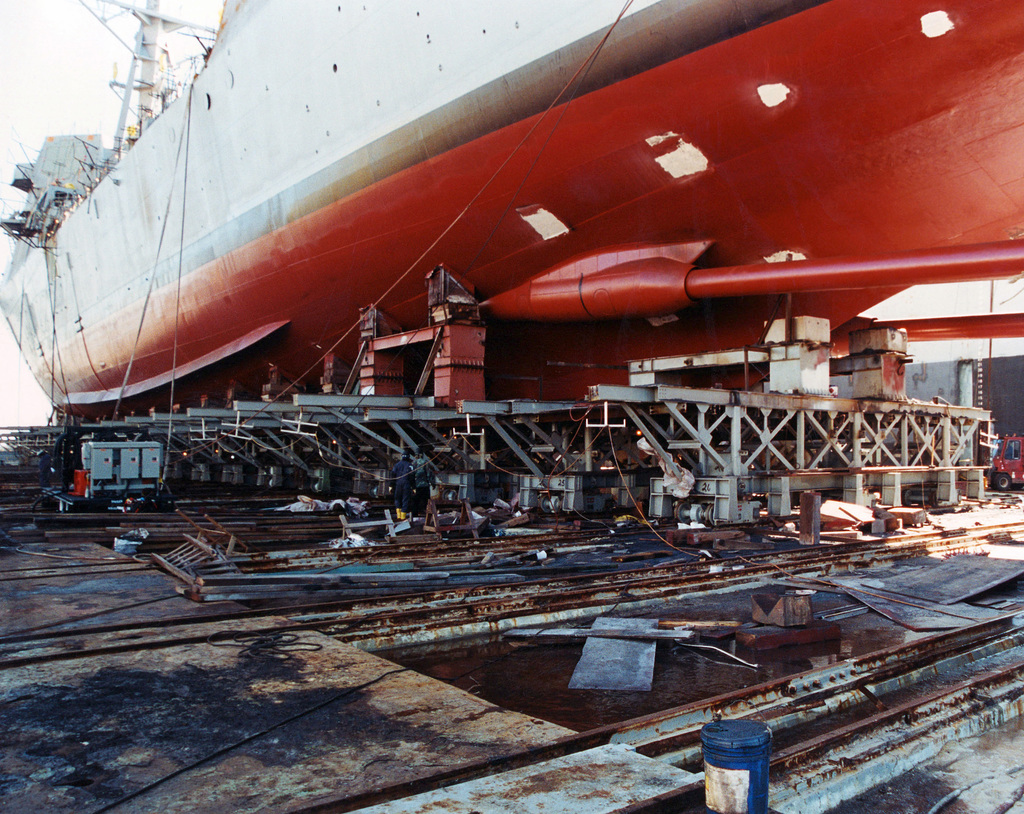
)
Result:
{"points": [[401, 473], [423, 477], [45, 469]]}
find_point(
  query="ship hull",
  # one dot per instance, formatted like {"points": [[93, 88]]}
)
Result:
{"points": [[840, 129]]}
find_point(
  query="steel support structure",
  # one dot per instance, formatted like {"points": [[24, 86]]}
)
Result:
{"points": [[748, 448], [626, 446]]}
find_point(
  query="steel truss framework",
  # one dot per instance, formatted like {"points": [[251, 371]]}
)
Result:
{"points": [[747, 450], [746, 446]]}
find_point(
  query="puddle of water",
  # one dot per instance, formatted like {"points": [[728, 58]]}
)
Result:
{"points": [[534, 679]]}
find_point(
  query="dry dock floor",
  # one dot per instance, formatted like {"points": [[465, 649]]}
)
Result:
{"points": [[209, 728]]}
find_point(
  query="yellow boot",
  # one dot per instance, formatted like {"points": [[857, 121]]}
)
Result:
{"points": [[400, 514]]}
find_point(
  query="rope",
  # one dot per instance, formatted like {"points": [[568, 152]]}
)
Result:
{"points": [[181, 257], [581, 74], [276, 645], [153, 274], [248, 739], [107, 560], [578, 75], [726, 653], [55, 356], [24, 631]]}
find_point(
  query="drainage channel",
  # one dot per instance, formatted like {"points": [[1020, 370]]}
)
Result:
{"points": [[820, 774]]}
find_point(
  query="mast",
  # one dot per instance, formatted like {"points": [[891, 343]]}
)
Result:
{"points": [[148, 56], [122, 119]]}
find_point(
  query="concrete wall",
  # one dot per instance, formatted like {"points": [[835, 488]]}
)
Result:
{"points": [[949, 381], [953, 382], [1002, 386]]}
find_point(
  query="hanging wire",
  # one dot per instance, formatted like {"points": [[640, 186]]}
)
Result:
{"points": [[181, 256], [580, 74], [21, 330], [574, 82], [643, 517], [55, 356], [78, 309], [152, 277]]}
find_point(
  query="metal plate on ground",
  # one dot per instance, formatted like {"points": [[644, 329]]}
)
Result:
{"points": [[957, 579], [913, 614], [616, 664], [597, 781]]}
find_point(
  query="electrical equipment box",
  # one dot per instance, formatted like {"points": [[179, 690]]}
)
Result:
{"points": [[121, 468], [130, 463], [152, 461]]}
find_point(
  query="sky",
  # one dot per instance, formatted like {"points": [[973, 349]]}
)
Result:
{"points": [[56, 64]]}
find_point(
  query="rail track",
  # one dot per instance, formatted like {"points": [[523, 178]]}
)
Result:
{"points": [[375, 622]]}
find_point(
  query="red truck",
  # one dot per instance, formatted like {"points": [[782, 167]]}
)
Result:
{"points": [[1007, 471]]}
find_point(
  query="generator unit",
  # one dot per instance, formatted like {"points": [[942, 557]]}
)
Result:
{"points": [[115, 473], [120, 468]]}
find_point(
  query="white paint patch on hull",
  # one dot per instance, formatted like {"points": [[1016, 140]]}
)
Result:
{"points": [[682, 161]]}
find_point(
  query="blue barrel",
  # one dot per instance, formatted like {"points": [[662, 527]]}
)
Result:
{"points": [[736, 755]]}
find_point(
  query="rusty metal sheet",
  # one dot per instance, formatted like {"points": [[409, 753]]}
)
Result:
{"points": [[913, 613], [81, 734], [597, 781], [957, 579], [257, 733]]}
